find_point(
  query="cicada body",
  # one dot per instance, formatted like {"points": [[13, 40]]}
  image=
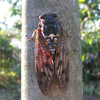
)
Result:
{"points": [[51, 53]]}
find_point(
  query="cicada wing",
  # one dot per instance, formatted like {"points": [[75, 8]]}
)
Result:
{"points": [[43, 63], [62, 61]]}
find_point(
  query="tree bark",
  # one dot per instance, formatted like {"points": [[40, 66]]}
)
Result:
{"points": [[67, 11]]}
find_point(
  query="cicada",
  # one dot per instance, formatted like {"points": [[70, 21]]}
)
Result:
{"points": [[51, 53]]}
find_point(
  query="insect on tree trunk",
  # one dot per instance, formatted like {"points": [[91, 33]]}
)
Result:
{"points": [[67, 11]]}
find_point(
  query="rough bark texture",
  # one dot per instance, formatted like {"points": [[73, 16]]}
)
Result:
{"points": [[67, 11]]}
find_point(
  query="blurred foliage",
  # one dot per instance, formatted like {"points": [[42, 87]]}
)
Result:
{"points": [[89, 89], [10, 60], [15, 10], [89, 11], [16, 7]]}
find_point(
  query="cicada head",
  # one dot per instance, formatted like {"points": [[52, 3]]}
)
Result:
{"points": [[49, 24], [48, 16]]}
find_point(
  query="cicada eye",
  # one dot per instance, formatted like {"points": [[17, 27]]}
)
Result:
{"points": [[54, 15], [42, 16]]}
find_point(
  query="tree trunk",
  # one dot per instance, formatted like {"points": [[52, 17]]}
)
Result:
{"points": [[67, 11]]}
